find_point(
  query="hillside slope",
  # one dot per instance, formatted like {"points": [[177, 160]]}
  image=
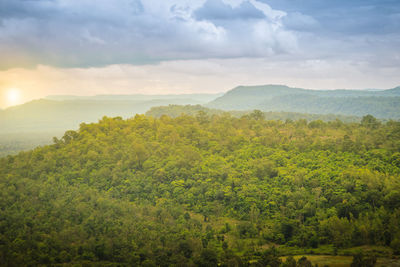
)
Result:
{"points": [[50, 115], [379, 103], [197, 110], [201, 191], [35, 123], [200, 98]]}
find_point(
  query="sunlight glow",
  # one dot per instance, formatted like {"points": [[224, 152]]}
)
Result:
{"points": [[13, 96]]}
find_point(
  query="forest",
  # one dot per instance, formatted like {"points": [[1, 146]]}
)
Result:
{"points": [[203, 190], [31, 124], [192, 110], [383, 104], [34, 123]]}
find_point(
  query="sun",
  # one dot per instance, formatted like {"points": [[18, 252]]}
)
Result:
{"points": [[13, 96]]}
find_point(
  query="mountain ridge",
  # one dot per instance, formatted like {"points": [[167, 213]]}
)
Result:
{"points": [[139, 97], [380, 103]]}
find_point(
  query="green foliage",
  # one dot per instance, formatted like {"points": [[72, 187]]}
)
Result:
{"points": [[395, 244], [290, 262], [360, 261], [207, 258], [379, 103], [369, 121], [269, 258], [34, 123], [200, 190], [304, 262], [202, 113]]}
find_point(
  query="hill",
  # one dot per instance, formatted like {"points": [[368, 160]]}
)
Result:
{"points": [[200, 98], [201, 191], [379, 103], [197, 110], [69, 111], [35, 123]]}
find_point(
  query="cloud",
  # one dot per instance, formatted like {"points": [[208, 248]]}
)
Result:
{"points": [[300, 22], [346, 17], [218, 10], [72, 33], [169, 45]]}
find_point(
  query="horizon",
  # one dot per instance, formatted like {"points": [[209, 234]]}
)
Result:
{"points": [[218, 94], [48, 97]]}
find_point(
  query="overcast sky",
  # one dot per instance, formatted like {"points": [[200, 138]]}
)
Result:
{"points": [[90, 47]]}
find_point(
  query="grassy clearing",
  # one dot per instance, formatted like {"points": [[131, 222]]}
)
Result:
{"points": [[342, 261], [379, 251], [322, 260], [321, 250]]}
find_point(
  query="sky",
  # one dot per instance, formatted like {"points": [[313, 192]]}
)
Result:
{"points": [[87, 47]]}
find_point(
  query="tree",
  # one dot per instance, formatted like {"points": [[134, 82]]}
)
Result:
{"points": [[270, 258], [185, 249], [208, 258], [290, 262], [257, 115], [360, 261], [304, 262], [369, 121]]}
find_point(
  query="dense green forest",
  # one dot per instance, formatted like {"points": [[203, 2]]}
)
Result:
{"points": [[36, 123], [383, 104], [31, 124], [202, 190], [192, 110]]}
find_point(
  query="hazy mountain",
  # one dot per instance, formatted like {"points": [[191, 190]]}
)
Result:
{"points": [[193, 110], [36, 122], [200, 98], [67, 112], [379, 103]]}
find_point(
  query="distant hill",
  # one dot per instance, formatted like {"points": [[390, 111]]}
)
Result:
{"points": [[35, 123], [67, 112], [200, 98], [379, 103], [193, 110]]}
